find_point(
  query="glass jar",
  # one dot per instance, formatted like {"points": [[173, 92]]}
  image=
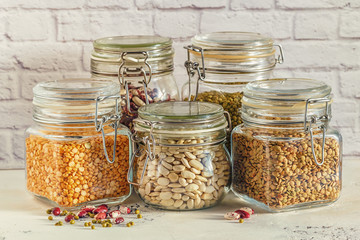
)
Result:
{"points": [[285, 156], [220, 64], [181, 162], [142, 64], [77, 152]]}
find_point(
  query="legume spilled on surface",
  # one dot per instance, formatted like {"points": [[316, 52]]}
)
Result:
{"points": [[282, 173], [184, 177], [73, 172]]}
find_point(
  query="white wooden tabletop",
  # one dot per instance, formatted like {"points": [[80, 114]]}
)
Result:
{"points": [[23, 217]]}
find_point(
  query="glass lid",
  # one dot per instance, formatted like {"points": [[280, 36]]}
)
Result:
{"points": [[181, 112], [75, 89], [239, 40], [132, 43], [291, 89], [73, 101], [284, 101]]}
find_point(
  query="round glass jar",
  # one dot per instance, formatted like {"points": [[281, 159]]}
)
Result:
{"points": [[285, 156], [143, 65], [181, 162], [220, 64], [77, 152]]}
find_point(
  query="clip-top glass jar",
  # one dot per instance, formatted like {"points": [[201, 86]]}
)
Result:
{"points": [[181, 162], [220, 64], [285, 156], [142, 64], [77, 152]]}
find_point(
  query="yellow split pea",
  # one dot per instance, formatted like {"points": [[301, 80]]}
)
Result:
{"points": [[73, 172]]}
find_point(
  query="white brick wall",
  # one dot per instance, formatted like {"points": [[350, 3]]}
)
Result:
{"points": [[51, 39]]}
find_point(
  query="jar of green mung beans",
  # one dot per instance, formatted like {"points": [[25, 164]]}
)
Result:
{"points": [[220, 64]]}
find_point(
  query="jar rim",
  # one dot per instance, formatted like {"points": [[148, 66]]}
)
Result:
{"points": [[74, 89], [124, 43], [74, 101], [147, 51], [234, 52], [232, 40], [181, 117], [285, 101], [175, 111], [287, 89]]}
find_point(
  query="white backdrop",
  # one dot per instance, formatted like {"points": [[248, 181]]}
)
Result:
{"points": [[51, 39]]}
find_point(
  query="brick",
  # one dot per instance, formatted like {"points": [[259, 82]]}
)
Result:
{"points": [[2, 28], [44, 57], [30, 79], [15, 114], [144, 4], [305, 4], [278, 25], [316, 25], [8, 86], [178, 24], [350, 24], [344, 114], [5, 149], [28, 26], [79, 74], [87, 49], [179, 59], [7, 60], [249, 4], [109, 4], [169, 4], [351, 141], [177, 4], [43, 4], [315, 54], [93, 25], [330, 78], [18, 151], [279, 72], [349, 84]]}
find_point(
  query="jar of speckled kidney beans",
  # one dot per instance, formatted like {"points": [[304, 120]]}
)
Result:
{"points": [[143, 65]]}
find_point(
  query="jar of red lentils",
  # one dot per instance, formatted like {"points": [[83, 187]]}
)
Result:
{"points": [[77, 151]]}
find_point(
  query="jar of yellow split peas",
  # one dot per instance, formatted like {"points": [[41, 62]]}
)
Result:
{"points": [[77, 151]]}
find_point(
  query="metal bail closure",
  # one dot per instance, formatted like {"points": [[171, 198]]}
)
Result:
{"points": [[191, 67], [313, 120], [149, 142], [228, 119], [99, 123], [280, 58], [133, 72]]}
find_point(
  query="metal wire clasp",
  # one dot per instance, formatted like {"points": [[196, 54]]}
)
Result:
{"points": [[313, 120], [280, 58], [99, 123], [228, 119], [134, 72], [192, 67], [149, 142]]}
